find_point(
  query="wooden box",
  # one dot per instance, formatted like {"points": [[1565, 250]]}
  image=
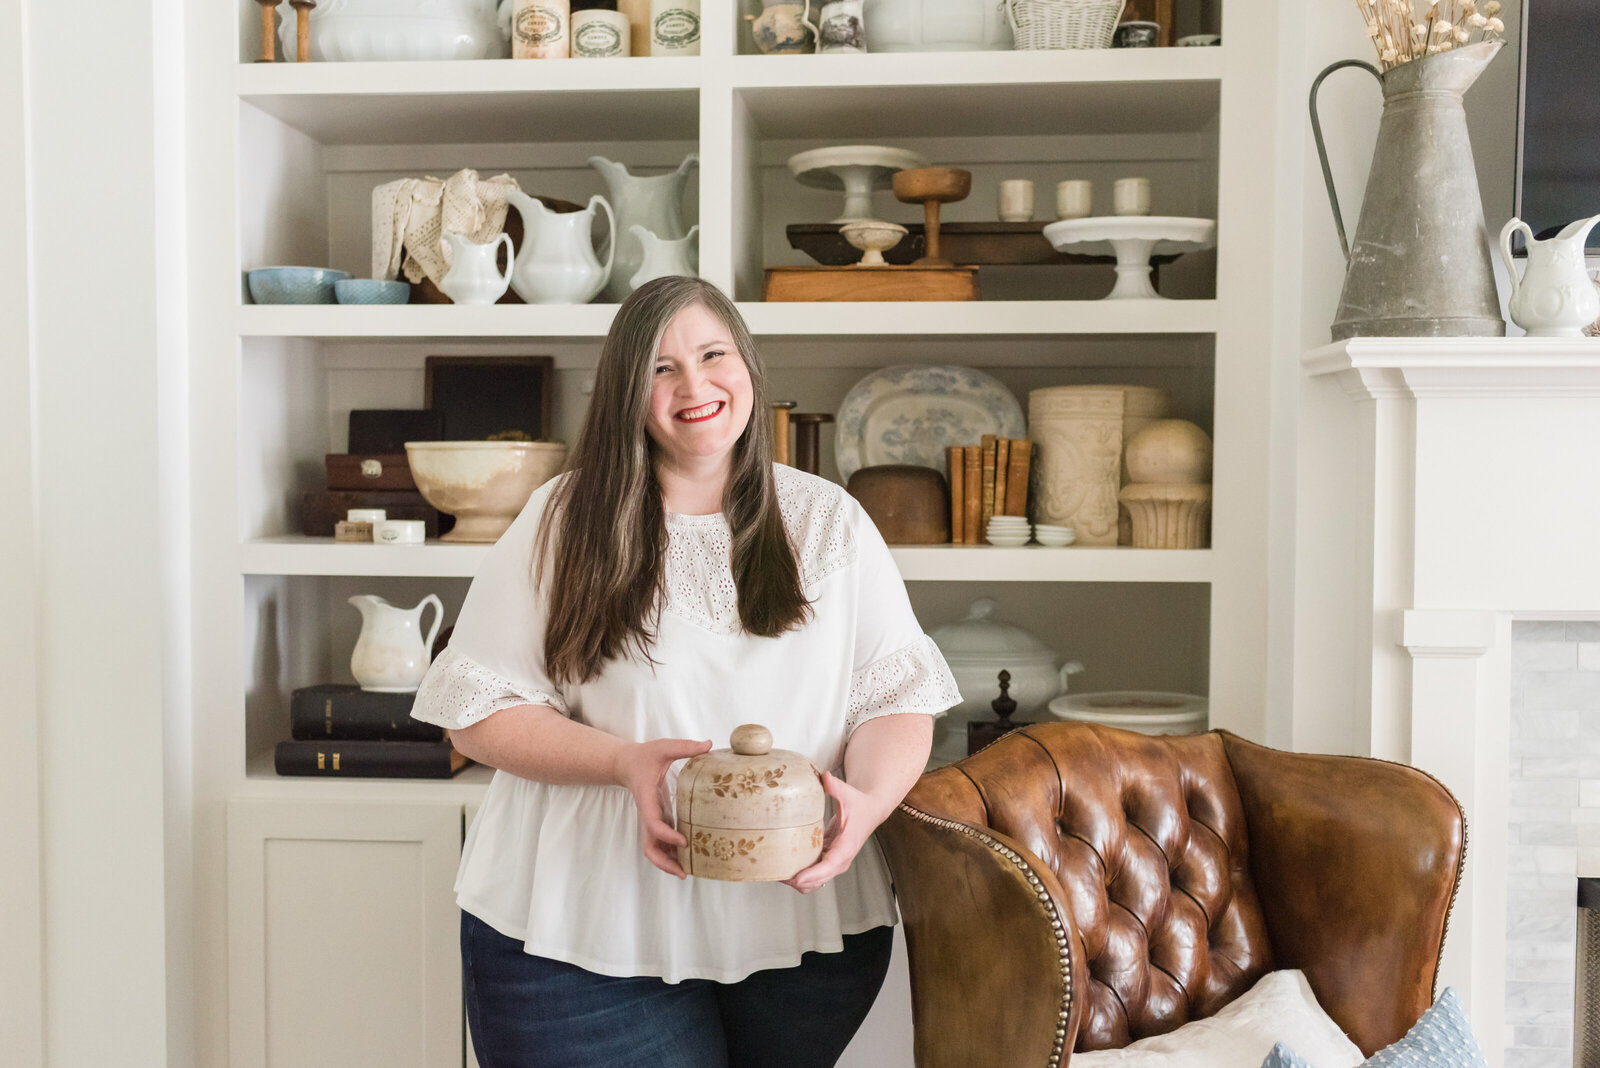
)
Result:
{"points": [[384, 471], [871, 283], [479, 398], [386, 430]]}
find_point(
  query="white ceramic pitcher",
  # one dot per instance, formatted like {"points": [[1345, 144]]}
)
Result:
{"points": [[557, 264], [662, 257], [391, 655], [654, 202], [1554, 297], [475, 276]]}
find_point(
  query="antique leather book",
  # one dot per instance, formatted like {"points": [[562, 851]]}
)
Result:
{"points": [[986, 507], [956, 459], [344, 712], [1017, 477], [972, 525], [370, 760]]}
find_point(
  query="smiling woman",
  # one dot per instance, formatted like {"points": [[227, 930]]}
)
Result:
{"points": [[674, 584]]}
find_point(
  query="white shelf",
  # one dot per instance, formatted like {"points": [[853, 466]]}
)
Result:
{"points": [[1085, 91], [300, 555], [426, 321], [983, 317], [994, 318], [1090, 91], [479, 101]]}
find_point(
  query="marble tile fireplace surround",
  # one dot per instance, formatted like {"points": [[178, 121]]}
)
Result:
{"points": [[1554, 838], [1447, 593]]}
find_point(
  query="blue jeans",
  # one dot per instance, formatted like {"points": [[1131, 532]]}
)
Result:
{"points": [[532, 1012]]}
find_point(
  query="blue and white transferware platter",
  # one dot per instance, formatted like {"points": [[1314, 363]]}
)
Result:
{"points": [[909, 414]]}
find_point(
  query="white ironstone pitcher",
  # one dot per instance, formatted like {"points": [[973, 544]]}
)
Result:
{"points": [[1555, 297], [391, 655], [556, 263], [654, 202]]}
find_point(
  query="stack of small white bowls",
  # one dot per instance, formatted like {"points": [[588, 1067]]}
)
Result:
{"points": [[1048, 534], [1008, 531]]}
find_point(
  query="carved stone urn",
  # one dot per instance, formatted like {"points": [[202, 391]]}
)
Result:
{"points": [[751, 813]]}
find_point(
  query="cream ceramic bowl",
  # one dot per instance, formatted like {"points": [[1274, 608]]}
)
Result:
{"points": [[484, 484]]}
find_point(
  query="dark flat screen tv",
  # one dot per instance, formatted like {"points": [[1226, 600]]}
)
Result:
{"points": [[1558, 158]]}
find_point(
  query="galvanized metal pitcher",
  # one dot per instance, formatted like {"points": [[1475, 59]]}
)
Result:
{"points": [[1419, 265]]}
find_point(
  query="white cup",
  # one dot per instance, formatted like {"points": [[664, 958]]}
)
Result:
{"points": [[1074, 199], [399, 531], [1016, 200], [1131, 196], [366, 515]]}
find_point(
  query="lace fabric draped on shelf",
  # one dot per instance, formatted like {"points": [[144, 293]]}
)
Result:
{"points": [[410, 216]]}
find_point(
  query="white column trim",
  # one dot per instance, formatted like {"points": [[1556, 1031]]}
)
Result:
{"points": [[1460, 733]]}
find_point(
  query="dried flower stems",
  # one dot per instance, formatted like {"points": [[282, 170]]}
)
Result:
{"points": [[1403, 30]]}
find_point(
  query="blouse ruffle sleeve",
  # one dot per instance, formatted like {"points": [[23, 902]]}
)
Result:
{"points": [[495, 658], [898, 669]]}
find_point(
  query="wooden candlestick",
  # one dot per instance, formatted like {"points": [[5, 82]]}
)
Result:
{"points": [[807, 435], [930, 187], [780, 430], [302, 28], [269, 38]]}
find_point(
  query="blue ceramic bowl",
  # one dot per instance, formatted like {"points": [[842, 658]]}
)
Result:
{"points": [[294, 285], [371, 291]]}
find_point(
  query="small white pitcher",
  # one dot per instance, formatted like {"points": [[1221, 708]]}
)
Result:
{"points": [[662, 257], [474, 277], [1555, 297], [391, 655]]}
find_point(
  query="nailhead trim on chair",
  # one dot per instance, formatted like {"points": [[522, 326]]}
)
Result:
{"points": [[1057, 928]]}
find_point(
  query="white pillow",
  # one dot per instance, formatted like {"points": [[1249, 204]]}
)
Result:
{"points": [[1279, 1008]]}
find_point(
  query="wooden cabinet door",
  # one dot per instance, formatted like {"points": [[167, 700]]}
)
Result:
{"points": [[343, 934]]}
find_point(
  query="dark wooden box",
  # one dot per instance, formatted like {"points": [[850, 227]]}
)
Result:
{"points": [[380, 430], [385, 471], [503, 398]]}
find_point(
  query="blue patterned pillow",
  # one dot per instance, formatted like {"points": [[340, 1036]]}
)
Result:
{"points": [[1284, 1057], [1441, 1039]]}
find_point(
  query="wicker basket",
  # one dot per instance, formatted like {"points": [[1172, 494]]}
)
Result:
{"points": [[1037, 24]]}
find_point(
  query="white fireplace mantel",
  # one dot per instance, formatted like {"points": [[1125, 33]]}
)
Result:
{"points": [[1447, 486]]}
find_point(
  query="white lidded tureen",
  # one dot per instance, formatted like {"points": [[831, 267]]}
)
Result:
{"points": [[977, 649], [394, 30]]}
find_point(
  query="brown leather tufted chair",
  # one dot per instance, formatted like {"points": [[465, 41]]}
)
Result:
{"points": [[1073, 887]]}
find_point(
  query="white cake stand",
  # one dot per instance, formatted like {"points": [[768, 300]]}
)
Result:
{"points": [[1133, 239], [857, 169]]}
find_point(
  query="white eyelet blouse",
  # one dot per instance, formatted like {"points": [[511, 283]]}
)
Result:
{"points": [[559, 867]]}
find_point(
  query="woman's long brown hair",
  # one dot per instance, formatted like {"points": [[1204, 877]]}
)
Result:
{"points": [[605, 530]]}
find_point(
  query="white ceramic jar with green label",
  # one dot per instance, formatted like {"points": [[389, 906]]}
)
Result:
{"points": [[539, 29], [674, 27], [599, 30]]}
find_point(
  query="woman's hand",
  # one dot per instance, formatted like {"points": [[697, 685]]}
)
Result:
{"points": [[642, 768], [858, 816]]}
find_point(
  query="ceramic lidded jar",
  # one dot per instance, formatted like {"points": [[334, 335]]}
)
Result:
{"points": [[977, 648], [751, 813]]}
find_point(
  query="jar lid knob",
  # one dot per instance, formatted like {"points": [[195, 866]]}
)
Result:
{"points": [[752, 739]]}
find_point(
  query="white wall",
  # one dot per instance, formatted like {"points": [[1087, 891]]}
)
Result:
{"points": [[98, 165], [21, 1000]]}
